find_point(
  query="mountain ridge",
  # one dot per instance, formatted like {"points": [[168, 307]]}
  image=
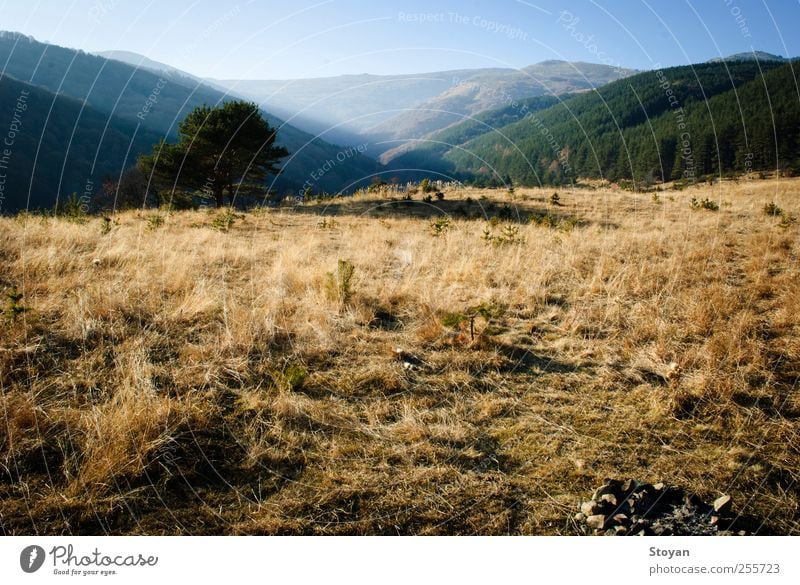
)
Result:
{"points": [[158, 104], [410, 106]]}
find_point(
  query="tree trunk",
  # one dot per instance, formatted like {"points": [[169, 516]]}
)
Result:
{"points": [[218, 195]]}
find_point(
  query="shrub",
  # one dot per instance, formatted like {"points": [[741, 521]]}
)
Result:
{"points": [[376, 186], [154, 221], [339, 286], [440, 226], [550, 221], [426, 186], [772, 209], [509, 234], [555, 199], [224, 221], [705, 203], [489, 311], [787, 219], [106, 225], [326, 223], [73, 209], [13, 308], [293, 376]]}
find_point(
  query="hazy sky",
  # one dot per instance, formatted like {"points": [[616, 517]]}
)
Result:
{"points": [[301, 38]]}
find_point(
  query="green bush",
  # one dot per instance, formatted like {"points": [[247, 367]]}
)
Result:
{"points": [[73, 209], [705, 203], [106, 225], [326, 223], [440, 226], [154, 221], [787, 219], [224, 221], [509, 234], [339, 285], [14, 308], [489, 311], [295, 375]]}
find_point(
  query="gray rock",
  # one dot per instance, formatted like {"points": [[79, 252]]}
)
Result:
{"points": [[596, 521], [621, 519], [637, 508], [609, 499], [590, 508], [610, 486], [722, 505]]}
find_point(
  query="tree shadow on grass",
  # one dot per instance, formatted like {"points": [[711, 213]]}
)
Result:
{"points": [[461, 209], [522, 359]]}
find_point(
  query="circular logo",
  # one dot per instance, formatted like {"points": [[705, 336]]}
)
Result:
{"points": [[31, 558]]}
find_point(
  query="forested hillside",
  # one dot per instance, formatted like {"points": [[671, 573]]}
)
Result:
{"points": [[55, 146], [158, 104], [682, 122], [427, 152]]}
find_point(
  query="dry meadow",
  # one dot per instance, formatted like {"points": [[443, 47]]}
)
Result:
{"points": [[379, 366]]}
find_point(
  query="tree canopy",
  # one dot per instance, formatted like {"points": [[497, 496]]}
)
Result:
{"points": [[220, 150]]}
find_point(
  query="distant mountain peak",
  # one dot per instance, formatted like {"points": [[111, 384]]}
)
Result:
{"points": [[749, 56], [141, 61]]}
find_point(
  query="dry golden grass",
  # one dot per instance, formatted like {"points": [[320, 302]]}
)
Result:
{"points": [[181, 379]]}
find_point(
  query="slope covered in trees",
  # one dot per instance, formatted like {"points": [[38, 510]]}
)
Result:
{"points": [[54, 146], [157, 103], [682, 122], [428, 152]]}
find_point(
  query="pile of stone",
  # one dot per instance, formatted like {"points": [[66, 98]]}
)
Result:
{"points": [[622, 508]]}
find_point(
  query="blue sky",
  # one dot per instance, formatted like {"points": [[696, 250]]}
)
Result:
{"points": [[315, 38]]}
